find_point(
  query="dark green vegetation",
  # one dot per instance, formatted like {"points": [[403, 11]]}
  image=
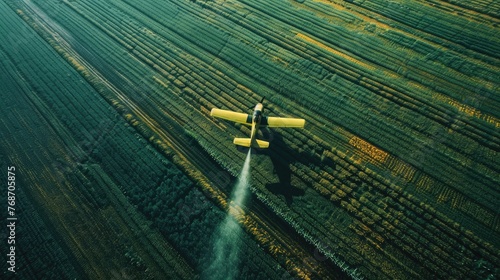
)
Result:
{"points": [[105, 113]]}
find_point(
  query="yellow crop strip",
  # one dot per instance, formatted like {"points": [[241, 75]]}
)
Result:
{"points": [[341, 7], [333, 51], [369, 149]]}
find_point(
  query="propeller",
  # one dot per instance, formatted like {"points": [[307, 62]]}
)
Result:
{"points": [[262, 100]]}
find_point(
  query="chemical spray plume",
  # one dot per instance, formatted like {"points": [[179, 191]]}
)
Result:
{"points": [[225, 261]]}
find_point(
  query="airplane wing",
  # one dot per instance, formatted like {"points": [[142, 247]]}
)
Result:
{"points": [[282, 122], [232, 116]]}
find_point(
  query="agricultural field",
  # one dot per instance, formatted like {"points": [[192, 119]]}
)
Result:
{"points": [[121, 172]]}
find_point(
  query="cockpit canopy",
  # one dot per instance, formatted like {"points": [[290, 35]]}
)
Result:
{"points": [[257, 115]]}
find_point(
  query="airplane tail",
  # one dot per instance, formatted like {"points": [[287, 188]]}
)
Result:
{"points": [[246, 142]]}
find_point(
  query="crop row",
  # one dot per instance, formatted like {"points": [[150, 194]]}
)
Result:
{"points": [[441, 25]]}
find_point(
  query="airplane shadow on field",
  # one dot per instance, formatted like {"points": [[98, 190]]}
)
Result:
{"points": [[279, 153]]}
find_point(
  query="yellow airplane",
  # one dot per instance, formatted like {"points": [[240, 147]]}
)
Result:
{"points": [[256, 121]]}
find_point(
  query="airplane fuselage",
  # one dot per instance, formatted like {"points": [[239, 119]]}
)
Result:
{"points": [[256, 119]]}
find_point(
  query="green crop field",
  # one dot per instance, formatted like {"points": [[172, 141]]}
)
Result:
{"points": [[121, 172]]}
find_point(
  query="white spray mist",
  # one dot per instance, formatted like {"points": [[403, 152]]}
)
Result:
{"points": [[225, 262]]}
